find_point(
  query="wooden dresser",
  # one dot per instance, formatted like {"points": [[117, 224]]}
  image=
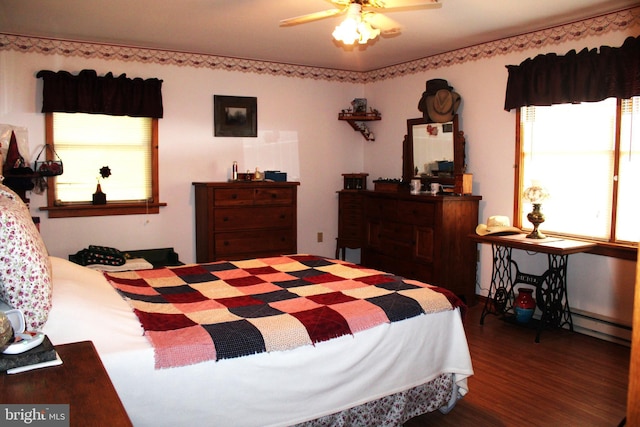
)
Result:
{"points": [[351, 229], [423, 237], [238, 220]]}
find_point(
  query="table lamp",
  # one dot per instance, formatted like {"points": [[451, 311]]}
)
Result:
{"points": [[535, 194]]}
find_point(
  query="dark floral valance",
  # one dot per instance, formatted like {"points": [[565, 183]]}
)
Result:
{"points": [[89, 93], [587, 76]]}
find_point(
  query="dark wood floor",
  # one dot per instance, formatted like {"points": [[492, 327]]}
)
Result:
{"points": [[568, 379]]}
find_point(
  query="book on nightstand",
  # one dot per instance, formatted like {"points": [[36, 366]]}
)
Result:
{"points": [[38, 357]]}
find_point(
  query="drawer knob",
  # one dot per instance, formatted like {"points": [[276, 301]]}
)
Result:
{"points": [[234, 196]]}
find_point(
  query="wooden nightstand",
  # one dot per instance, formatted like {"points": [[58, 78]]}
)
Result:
{"points": [[81, 381]]}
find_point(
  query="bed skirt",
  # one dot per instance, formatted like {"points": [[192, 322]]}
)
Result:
{"points": [[395, 409]]}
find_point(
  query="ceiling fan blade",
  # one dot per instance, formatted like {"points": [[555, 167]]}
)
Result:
{"points": [[385, 24], [310, 17], [401, 5]]}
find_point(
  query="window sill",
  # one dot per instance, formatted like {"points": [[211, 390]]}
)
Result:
{"points": [[627, 251], [614, 250], [82, 210]]}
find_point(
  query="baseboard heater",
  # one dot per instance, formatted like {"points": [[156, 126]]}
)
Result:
{"points": [[599, 326], [592, 324]]}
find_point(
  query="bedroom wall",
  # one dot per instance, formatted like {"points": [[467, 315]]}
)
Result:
{"points": [[599, 285], [301, 113], [298, 133]]}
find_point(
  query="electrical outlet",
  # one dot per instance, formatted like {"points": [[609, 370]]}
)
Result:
{"points": [[320, 236]]}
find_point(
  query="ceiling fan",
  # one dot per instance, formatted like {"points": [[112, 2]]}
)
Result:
{"points": [[363, 22]]}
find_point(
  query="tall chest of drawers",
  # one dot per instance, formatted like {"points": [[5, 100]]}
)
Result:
{"points": [[423, 237], [239, 220], [351, 229]]}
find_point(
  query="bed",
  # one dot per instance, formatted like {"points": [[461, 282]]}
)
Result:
{"points": [[374, 373]]}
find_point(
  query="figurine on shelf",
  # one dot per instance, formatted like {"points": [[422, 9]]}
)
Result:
{"points": [[258, 175], [366, 132], [359, 106]]}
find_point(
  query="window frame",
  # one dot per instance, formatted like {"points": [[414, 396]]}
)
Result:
{"points": [[84, 209], [603, 247]]}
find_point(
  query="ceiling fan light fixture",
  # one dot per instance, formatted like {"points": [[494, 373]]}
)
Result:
{"points": [[347, 31], [367, 32], [354, 28]]}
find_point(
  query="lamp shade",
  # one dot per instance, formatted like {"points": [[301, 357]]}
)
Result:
{"points": [[354, 28], [535, 194]]}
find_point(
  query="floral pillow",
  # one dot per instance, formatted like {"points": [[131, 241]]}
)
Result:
{"points": [[25, 268]]}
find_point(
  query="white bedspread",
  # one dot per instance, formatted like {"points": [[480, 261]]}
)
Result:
{"points": [[267, 389]]}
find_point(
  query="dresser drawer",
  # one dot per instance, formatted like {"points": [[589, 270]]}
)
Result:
{"points": [[396, 231], [253, 218], [233, 197], [351, 231], [381, 208], [393, 239], [273, 196], [400, 267], [253, 196], [350, 201], [276, 242], [351, 219], [416, 212], [418, 271], [396, 249]]}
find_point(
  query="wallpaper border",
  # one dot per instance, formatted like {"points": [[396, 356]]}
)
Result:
{"points": [[616, 21]]}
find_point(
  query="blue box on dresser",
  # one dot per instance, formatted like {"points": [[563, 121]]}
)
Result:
{"points": [[276, 176]]}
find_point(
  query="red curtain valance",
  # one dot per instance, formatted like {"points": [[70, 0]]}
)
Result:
{"points": [[89, 93], [587, 76]]}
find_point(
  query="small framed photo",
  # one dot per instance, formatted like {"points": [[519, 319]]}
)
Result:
{"points": [[359, 105], [235, 116]]}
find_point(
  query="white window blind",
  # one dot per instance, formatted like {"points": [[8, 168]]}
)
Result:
{"points": [[88, 142], [628, 227], [571, 150]]}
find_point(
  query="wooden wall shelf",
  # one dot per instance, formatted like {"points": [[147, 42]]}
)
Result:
{"points": [[356, 122]]}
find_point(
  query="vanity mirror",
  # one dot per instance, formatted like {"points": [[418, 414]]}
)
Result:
{"points": [[434, 152]]}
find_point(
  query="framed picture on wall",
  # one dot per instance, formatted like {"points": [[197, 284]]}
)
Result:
{"points": [[235, 116]]}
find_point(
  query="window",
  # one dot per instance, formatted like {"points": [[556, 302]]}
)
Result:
{"points": [[587, 156], [88, 142]]}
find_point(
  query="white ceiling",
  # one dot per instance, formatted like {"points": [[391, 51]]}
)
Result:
{"points": [[250, 28]]}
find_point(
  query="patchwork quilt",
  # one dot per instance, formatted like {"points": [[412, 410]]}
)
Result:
{"points": [[227, 309]]}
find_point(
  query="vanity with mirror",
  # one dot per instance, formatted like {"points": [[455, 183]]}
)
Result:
{"points": [[418, 236], [433, 152]]}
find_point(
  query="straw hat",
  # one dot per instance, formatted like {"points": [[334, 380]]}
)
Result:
{"points": [[442, 106], [439, 102], [497, 224]]}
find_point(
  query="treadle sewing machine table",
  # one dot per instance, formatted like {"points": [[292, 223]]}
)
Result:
{"points": [[550, 287]]}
